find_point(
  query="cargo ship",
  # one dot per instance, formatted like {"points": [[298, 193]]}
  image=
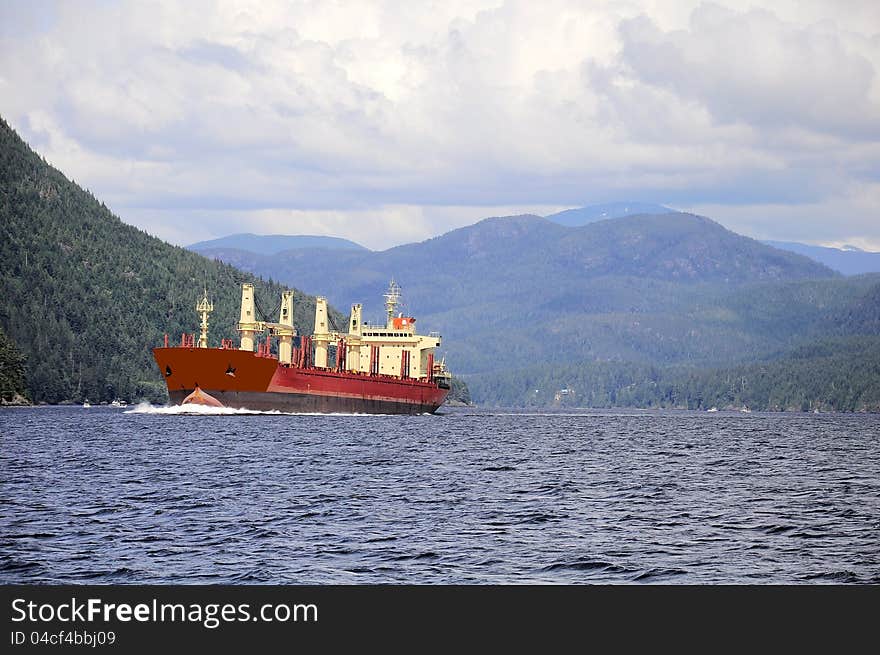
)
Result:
{"points": [[371, 369]]}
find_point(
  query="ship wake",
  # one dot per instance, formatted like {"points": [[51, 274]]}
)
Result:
{"points": [[206, 410], [201, 410]]}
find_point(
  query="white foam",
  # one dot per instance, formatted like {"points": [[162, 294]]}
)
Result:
{"points": [[202, 410], [205, 410]]}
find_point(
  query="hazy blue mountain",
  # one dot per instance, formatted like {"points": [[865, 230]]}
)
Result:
{"points": [[527, 254], [271, 244], [849, 260], [592, 213], [664, 289]]}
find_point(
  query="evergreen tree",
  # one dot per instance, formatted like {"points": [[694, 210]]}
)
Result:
{"points": [[12, 380]]}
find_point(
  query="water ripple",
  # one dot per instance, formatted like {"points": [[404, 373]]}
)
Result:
{"points": [[147, 496]]}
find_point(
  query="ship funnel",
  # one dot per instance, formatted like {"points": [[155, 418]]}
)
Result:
{"points": [[247, 324]]}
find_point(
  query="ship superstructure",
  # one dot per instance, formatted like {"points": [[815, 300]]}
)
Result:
{"points": [[370, 368]]}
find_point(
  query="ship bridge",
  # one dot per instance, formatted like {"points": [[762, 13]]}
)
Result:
{"points": [[393, 348]]}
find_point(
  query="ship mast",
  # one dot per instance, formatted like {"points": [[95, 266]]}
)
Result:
{"points": [[203, 308], [392, 299]]}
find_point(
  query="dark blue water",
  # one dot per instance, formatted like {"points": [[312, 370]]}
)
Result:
{"points": [[103, 496]]}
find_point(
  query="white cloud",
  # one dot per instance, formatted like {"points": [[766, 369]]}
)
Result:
{"points": [[848, 219], [754, 68], [394, 121]]}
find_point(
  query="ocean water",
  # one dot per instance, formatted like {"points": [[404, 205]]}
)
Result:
{"points": [[146, 495]]}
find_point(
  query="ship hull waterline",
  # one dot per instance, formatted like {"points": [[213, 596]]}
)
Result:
{"points": [[244, 380]]}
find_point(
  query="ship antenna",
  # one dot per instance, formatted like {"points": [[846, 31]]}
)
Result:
{"points": [[392, 299]]}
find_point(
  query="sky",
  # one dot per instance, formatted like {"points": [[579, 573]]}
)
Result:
{"points": [[392, 122]]}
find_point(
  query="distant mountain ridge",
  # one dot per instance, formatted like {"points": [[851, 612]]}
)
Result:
{"points": [[660, 289], [673, 246], [271, 244], [848, 260], [605, 211]]}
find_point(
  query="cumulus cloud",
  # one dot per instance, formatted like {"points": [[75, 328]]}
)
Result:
{"points": [[387, 122], [754, 68]]}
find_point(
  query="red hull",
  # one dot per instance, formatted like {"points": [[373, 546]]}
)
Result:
{"points": [[242, 379]]}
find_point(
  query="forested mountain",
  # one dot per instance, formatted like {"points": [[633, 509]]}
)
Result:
{"points": [[593, 213], [849, 261], [272, 244], [863, 315], [523, 302], [85, 297], [660, 288], [530, 257], [827, 335], [828, 374]]}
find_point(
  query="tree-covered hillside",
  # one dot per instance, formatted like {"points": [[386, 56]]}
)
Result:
{"points": [[831, 374], [85, 297], [13, 386]]}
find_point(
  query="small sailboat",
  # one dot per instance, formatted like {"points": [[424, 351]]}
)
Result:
{"points": [[86, 403]]}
